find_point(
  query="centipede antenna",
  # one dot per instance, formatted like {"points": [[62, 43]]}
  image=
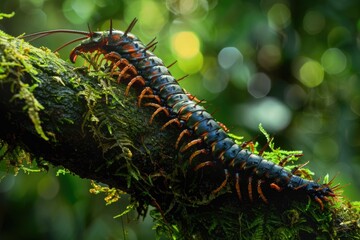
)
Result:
{"points": [[68, 43], [37, 35], [111, 28], [131, 26]]}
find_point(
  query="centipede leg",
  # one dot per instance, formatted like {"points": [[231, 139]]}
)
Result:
{"points": [[132, 81], [318, 200], [118, 62], [223, 126], [197, 152], [171, 121], [237, 186], [204, 164], [123, 71], [181, 135], [261, 194], [127, 68], [193, 98], [249, 144], [115, 56], [159, 109], [156, 97], [250, 189], [143, 94], [276, 187], [190, 144], [223, 184]]}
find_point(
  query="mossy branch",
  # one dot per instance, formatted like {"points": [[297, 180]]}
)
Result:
{"points": [[81, 120]]}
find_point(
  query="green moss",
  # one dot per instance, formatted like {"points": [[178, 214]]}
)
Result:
{"points": [[14, 159], [19, 59]]}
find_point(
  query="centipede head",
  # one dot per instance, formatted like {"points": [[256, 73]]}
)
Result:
{"points": [[91, 41], [94, 42], [103, 41]]}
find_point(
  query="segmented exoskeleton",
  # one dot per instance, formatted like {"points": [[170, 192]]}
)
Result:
{"points": [[128, 53]]}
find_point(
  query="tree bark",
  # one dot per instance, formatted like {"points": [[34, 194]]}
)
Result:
{"points": [[81, 120]]}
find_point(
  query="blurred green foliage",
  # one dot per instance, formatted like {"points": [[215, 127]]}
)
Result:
{"points": [[292, 66]]}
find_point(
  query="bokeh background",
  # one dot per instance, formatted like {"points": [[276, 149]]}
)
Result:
{"points": [[291, 65]]}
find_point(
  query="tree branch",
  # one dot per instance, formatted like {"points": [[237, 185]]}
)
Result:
{"points": [[82, 121]]}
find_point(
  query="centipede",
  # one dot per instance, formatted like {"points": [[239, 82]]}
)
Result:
{"points": [[247, 172]]}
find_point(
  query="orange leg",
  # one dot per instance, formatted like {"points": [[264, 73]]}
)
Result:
{"points": [[181, 109], [232, 162], [132, 81], [237, 186], [318, 200], [123, 71], [115, 56], [249, 144], [187, 116], [174, 120], [221, 155], [204, 164], [193, 98], [127, 68], [327, 199], [156, 97], [276, 187], [143, 93], [223, 126], [159, 109], [118, 62], [190, 144], [181, 135], [261, 194], [250, 189], [301, 186], [223, 184], [197, 152]]}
